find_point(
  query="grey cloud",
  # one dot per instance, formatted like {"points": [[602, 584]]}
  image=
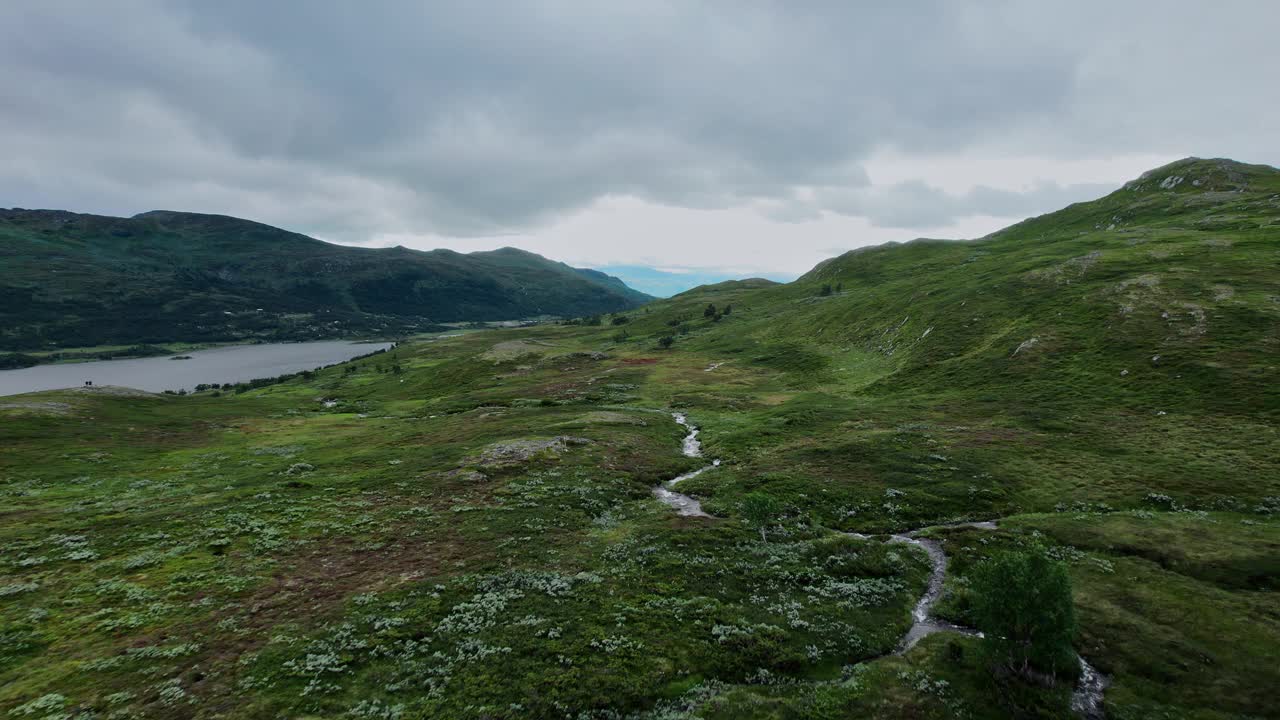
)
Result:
{"points": [[347, 119], [915, 204]]}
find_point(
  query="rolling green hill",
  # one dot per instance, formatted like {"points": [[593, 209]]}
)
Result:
{"points": [[1169, 297], [466, 527], [82, 280]]}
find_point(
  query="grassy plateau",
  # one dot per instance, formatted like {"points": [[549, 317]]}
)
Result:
{"points": [[465, 527]]}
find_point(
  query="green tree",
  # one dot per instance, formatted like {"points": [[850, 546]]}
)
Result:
{"points": [[826, 290], [728, 309], [761, 510], [1023, 607], [710, 310], [665, 341]]}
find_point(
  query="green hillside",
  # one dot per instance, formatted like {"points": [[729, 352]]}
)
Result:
{"points": [[466, 527], [82, 280]]}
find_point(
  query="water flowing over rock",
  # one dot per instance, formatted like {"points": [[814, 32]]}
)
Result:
{"points": [[1086, 698], [923, 623], [692, 447]]}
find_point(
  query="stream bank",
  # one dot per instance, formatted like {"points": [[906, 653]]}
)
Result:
{"points": [[1086, 698]]}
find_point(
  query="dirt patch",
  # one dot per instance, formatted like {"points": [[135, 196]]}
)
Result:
{"points": [[639, 361]]}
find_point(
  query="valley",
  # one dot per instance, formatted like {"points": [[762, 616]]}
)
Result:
{"points": [[476, 526]]}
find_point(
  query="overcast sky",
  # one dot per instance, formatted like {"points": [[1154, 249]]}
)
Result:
{"points": [[729, 137]]}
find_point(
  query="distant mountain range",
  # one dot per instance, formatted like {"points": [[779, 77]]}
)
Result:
{"points": [[69, 279], [667, 281]]}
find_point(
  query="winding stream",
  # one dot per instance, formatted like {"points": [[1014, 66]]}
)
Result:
{"points": [[1086, 698], [923, 623], [683, 504]]}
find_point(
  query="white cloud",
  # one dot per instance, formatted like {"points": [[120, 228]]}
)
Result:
{"points": [[628, 231]]}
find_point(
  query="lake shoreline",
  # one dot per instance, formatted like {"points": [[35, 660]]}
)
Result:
{"points": [[135, 351], [163, 371]]}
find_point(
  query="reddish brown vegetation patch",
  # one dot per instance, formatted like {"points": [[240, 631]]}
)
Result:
{"points": [[308, 589]]}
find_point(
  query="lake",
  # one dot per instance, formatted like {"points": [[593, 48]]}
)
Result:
{"points": [[233, 363]]}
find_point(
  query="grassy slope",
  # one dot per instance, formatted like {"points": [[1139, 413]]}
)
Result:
{"points": [[162, 560], [1152, 368], [80, 280], [168, 540]]}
